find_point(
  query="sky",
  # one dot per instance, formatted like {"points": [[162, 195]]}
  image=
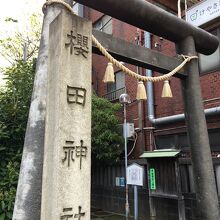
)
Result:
{"points": [[19, 10]]}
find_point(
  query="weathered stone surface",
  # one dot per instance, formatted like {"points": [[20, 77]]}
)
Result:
{"points": [[67, 153], [28, 197]]}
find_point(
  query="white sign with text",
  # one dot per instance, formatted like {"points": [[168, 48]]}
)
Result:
{"points": [[203, 12], [135, 175]]}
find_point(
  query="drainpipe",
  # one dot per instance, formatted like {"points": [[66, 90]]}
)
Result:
{"points": [[150, 98], [181, 117], [150, 95]]}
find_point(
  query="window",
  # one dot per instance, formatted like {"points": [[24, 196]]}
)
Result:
{"points": [[114, 90], [104, 24]]}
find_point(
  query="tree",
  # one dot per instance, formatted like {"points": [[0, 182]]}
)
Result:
{"points": [[106, 133], [20, 45], [15, 101]]}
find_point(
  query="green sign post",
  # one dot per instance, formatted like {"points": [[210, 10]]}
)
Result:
{"points": [[152, 179]]}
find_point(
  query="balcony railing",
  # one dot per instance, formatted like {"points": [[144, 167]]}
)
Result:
{"points": [[111, 96]]}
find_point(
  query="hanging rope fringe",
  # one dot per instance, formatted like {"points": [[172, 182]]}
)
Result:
{"points": [[117, 63], [109, 76], [135, 75], [141, 91], [166, 92]]}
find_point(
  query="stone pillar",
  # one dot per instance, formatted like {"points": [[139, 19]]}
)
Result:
{"points": [[203, 172], [67, 153], [28, 195]]}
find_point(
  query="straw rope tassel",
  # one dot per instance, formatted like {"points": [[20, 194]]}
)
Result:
{"points": [[141, 91], [109, 76], [166, 92], [116, 62]]}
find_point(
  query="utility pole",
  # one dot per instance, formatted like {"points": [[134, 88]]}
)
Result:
{"points": [[125, 99]]}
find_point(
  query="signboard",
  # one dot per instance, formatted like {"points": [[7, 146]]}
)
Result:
{"points": [[135, 175], [120, 181], [203, 12], [200, 14], [152, 179], [117, 181]]}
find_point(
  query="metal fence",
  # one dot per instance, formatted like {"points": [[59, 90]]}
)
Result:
{"points": [[114, 95]]}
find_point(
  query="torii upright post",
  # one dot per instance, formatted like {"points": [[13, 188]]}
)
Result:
{"points": [[206, 193], [67, 146]]}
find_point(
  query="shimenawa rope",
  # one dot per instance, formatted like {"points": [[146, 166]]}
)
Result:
{"points": [[117, 63]]}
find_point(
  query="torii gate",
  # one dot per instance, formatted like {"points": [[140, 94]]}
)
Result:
{"points": [[189, 41]]}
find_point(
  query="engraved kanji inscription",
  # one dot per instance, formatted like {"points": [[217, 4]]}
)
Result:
{"points": [[80, 214], [81, 151], [69, 152], [78, 43], [82, 45], [67, 214], [71, 44], [76, 95], [72, 152]]}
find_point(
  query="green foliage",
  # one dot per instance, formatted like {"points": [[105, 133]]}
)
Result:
{"points": [[12, 46], [15, 101], [106, 133], [9, 172]]}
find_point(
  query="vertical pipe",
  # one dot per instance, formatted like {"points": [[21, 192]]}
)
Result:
{"points": [[150, 92], [126, 164], [206, 194], [150, 95], [135, 202]]}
